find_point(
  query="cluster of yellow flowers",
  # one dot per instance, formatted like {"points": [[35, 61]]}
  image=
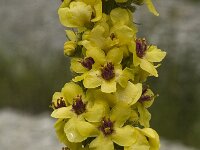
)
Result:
{"points": [[105, 106]]}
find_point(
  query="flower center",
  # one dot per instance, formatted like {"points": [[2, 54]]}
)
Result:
{"points": [[78, 106], [106, 127], [88, 62], [107, 72], [141, 47], [144, 97], [60, 103]]}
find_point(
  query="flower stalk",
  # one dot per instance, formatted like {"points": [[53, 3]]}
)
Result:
{"points": [[105, 105]]}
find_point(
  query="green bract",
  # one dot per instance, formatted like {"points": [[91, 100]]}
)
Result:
{"points": [[105, 105]]}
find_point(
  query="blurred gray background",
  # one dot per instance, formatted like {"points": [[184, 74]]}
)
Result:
{"points": [[33, 67]]}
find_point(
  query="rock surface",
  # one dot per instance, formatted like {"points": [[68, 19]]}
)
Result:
{"points": [[21, 131]]}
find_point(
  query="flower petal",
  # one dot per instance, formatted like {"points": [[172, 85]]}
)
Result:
{"points": [[153, 137], [72, 132], [120, 113], [119, 16], [154, 54], [114, 55], [71, 90], [108, 86], [148, 67], [97, 36], [130, 94], [109, 98], [102, 143], [98, 11], [86, 129], [97, 54], [96, 113], [76, 66], [145, 116], [127, 74], [141, 142], [92, 80], [59, 127], [71, 35], [124, 33], [124, 136], [79, 78], [64, 112]]}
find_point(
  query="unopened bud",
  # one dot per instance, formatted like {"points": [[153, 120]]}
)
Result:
{"points": [[69, 48]]}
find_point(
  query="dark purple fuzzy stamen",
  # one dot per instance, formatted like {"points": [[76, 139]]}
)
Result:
{"points": [[107, 126], [60, 103], [107, 72], [88, 62], [78, 106], [144, 97], [141, 47]]}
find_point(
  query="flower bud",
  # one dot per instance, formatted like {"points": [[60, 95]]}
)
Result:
{"points": [[69, 47]]}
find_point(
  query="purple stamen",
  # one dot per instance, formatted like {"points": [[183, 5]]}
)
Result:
{"points": [[141, 47], [88, 62], [60, 103], [78, 106], [107, 72], [107, 127], [145, 97]]}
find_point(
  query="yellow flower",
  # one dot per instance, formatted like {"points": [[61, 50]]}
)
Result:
{"points": [[106, 71], [78, 14], [147, 139], [145, 101], [112, 129], [123, 28], [144, 56], [78, 110], [58, 101], [100, 35]]}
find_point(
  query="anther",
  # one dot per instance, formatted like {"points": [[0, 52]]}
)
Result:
{"points": [[88, 62], [107, 72]]}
